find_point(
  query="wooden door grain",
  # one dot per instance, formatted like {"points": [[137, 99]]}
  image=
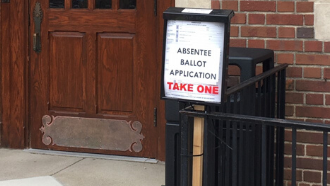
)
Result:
{"points": [[96, 72]]}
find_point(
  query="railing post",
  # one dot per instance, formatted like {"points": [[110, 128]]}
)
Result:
{"points": [[185, 175]]}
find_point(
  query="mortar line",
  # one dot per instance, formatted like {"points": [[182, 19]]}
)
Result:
{"points": [[67, 166]]}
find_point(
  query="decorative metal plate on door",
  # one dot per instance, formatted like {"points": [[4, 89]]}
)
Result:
{"points": [[92, 133]]}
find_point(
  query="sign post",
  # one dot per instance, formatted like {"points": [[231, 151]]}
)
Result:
{"points": [[195, 65]]}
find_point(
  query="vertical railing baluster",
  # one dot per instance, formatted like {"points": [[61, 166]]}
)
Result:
{"points": [[259, 99], [325, 158], [263, 156], [221, 155], [241, 154], [234, 155], [294, 156], [252, 162], [227, 156], [184, 151], [280, 130], [279, 156]]}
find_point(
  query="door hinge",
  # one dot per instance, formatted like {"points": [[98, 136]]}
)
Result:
{"points": [[155, 7], [155, 117], [5, 1]]}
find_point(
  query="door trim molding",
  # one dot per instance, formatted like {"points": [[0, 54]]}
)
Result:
{"points": [[14, 56]]}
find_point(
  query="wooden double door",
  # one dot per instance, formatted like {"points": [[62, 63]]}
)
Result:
{"points": [[92, 76]]}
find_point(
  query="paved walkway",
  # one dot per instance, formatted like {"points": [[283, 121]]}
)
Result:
{"points": [[34, 168]]}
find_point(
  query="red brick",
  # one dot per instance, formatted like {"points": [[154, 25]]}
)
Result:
{"points": [[312, 72], [289, 85], [306, 136], [283, 6], [327, 99], [314, 112], [309, 20], [326, 73], [326, 46], [248, 31], [259, 6], [256, 18], [239, 19], [295, 98], [215, 4], [288, 174], [286, 32], [231, 5], [282, 58], [237, 42], [234, 70], [259, 69], [284, 19], [314, 99], [234, 30], [300, 149], [315, 86], [313, 150], [310, 163], [294, 72], [289, 110], [314, 121], [305, 6], [312, 176], [313, 46], [312, 59], [305, 163], [256, 43], [305, 32], [285, 45]]}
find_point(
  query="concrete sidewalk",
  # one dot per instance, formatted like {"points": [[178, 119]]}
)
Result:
{"points": [[34, 168]]}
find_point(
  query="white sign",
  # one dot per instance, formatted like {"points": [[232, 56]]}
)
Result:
{"points": [[199, 11], [194, 60]]}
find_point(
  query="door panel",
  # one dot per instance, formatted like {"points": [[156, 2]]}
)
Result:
{"points": [[96, 20], [115, 77], [67, 59], [96, 72]]}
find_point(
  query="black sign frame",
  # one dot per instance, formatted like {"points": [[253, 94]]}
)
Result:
{"points": [[216, 15]]}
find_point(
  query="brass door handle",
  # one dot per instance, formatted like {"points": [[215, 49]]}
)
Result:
{"points": [[36, 42], [37, 17]]}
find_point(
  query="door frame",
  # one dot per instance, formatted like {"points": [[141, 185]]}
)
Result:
{"points": [[14, 65], [14, 78]]}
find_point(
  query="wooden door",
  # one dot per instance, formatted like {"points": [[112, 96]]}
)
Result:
{"points": [[93, 76]]}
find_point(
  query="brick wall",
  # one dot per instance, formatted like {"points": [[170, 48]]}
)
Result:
{"points": [[287, 27]]}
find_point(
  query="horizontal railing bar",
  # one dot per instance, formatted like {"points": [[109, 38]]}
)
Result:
{"points": [[260, 120], [255, 79]]}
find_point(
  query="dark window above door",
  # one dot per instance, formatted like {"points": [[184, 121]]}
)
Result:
{"points": [[99, 4]]}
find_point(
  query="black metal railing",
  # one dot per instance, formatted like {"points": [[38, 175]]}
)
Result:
{"points": [[238, 124], [244, 137]]}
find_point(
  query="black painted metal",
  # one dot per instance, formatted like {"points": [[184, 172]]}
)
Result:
{"points": [[173, 158], [294, 154], [325, 158], [239, 146], [245, 152], [184, 177]]}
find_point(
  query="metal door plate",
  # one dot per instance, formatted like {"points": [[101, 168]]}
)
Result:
{"points": [[92, 133]]}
